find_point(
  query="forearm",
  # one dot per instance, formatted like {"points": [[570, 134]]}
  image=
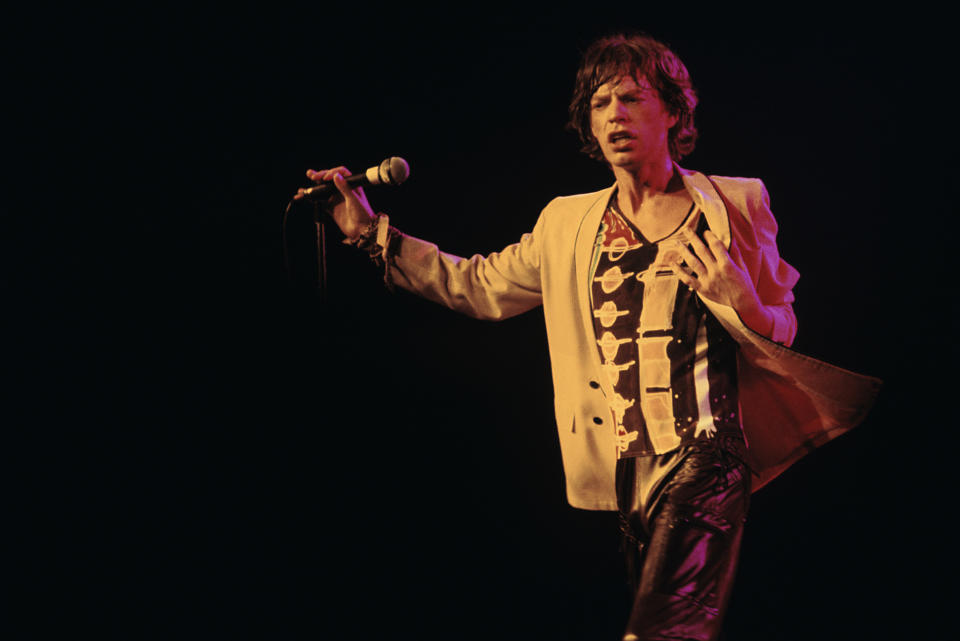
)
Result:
{"points": [[494, 287]]}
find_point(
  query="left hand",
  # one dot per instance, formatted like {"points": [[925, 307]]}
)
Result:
{"points": [[710, 272]]}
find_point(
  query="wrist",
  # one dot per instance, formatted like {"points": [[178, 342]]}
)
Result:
{"points": [[361, 230], [375, 239]]}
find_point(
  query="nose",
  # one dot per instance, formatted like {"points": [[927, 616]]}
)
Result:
{"points": [[617, 110]]}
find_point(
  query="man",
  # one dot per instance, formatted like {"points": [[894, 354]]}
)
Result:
{"points": [[668, 309]]}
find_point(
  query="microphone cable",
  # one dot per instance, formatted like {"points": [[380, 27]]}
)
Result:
{"points": [[321, 246]]}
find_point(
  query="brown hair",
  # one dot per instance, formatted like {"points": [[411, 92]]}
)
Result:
{"points": [[620, 55]]}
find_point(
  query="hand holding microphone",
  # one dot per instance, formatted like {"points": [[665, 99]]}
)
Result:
{"points": [[353, 214], [392, 171]]}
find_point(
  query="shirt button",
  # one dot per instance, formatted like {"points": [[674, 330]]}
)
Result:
{"points": [[598, 420], [594, 384]]}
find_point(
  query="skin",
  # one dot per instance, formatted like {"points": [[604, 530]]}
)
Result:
{"points": [[631, 125]]}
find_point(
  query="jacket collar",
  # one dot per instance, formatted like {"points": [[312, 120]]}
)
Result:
{"points": [[708, 200]]}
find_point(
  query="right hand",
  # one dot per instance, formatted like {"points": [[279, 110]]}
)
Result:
{"points": [[352, 212]]}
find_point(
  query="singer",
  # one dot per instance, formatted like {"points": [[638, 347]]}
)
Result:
{"points": [[669, 318]]}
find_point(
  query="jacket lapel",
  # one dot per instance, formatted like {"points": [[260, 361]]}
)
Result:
{"points": [[584, 251], [705, 196]]}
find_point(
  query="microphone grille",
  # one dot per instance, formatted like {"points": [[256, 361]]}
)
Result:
{"points": [[393, 171]]}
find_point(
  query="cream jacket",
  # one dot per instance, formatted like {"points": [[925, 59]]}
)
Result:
{"points": [[790, 403]]}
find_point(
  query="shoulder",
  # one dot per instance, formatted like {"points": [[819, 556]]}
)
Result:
{"points": [[565, 209], [562, 218], [751, 220], [735, 187], [747, 201], [578, 202]]}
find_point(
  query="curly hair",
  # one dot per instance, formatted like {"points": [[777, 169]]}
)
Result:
{"points": [[621, 55]]}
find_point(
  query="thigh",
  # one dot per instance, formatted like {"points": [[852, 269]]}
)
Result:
{"points": [[687, 571]]}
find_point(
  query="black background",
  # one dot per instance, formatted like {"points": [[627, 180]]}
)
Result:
{"points": [[214, 452]]}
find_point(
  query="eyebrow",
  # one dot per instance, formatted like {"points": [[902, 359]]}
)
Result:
{"points": [[636, 90]]}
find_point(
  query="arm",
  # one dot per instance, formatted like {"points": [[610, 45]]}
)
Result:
{"points": [[493, 287], [772, 276]]}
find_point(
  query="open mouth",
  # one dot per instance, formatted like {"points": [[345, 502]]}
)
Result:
{"points": [[619, 137]]}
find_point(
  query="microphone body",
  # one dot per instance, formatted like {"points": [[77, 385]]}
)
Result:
{"points": [[392, 171]]}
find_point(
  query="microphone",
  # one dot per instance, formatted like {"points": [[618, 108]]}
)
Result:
{"points": [[392, 171]]}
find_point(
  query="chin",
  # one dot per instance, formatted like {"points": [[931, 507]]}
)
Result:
{"points": [[623, 161]]}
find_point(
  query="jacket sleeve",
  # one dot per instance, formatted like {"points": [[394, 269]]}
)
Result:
{"points": [[493, 287], [754, 247]]}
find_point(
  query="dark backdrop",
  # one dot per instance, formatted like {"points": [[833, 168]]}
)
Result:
{"points": [[214, 452]]}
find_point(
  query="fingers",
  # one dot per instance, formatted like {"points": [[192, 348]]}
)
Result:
{"points": [[685, 275], [701, 259], [709, 270], [692, 261], [326, 175], [341, 184], [702, 251], [717, 248], [320, 176]]}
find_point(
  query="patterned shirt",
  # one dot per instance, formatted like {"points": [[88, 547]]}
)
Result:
{"points": [[671, 364]]}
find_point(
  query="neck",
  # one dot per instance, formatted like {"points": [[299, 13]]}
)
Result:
{"points": [[636, 185]]}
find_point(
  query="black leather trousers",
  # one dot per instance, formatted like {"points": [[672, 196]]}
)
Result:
{"points": [[682, 515]]}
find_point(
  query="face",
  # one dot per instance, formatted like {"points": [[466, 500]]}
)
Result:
{"points": [[630, 122]]}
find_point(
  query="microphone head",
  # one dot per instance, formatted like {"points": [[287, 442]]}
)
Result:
{"points": [[393, 171]]}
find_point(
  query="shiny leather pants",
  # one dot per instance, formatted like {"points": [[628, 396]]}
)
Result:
{"points": [[683, 516]]}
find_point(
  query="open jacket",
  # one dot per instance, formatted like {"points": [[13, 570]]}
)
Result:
{"points": [[790, 403]]}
